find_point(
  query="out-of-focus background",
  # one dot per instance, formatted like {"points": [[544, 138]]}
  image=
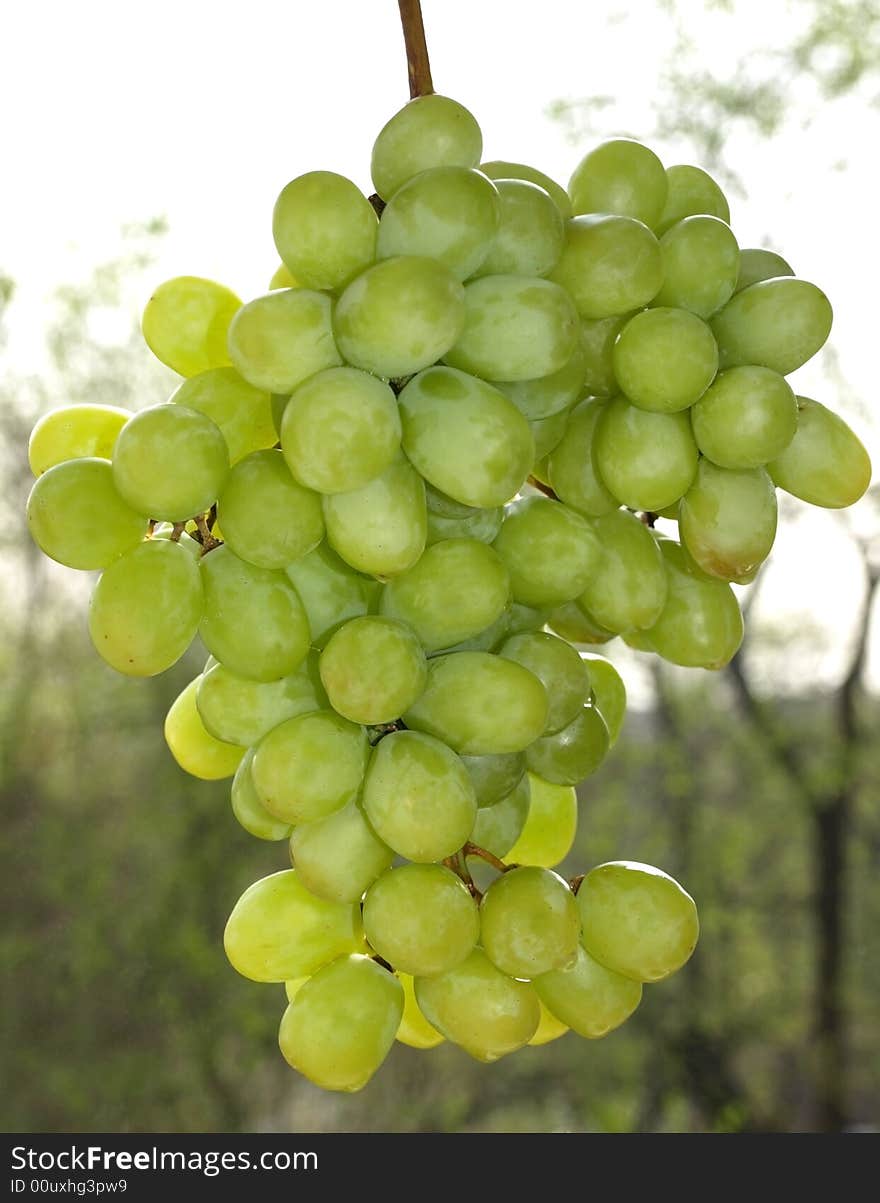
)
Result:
{"points": [[142, 143]]}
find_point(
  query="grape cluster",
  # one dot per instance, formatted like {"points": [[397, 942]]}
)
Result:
{"points": [[388, 496]]}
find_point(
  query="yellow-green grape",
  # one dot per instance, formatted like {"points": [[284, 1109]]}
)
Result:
{"points": [[192, 746], [728, 520], [75, 432], [146, 608], [573, 753], [620, 176], [637, 920], [268, 518], [418, 796], [691, 191], [550, 551], [242, 711], [701, 625], [421, 919], [597, 342], [548, 395], [647, 460], [450, 214], [628, 585], [547, 433], [559, 669], [549, 1028], [283, 277], [587, 997], [746, 418], [399, 316], [76, 517], [310, 766], [779, 324], [501, 169], [757, 263], [479, 703], [254, 622], [293, 987], [571, 623], [243, 413], [700, 265], [280, 338], [340, 430], [430, 131], [373, 669], [571, 465], [330, 590], [550, 827], [610, 265], [167, 533], [480, 524], [515, 328], [530, 232], [457, 589], [498, 827], [529, 922], [465, 437], [665, 359], [382, 527], [494, 777], [185, 323], [480, 1008], [249, 810], [325, 229], [609, 693], [414, 1029], [339, 856], [825, 463]]}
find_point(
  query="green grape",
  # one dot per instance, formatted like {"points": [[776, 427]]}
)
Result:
{"points": [[747, 417], [399, 316], [550, 551], [597, 342], [620, 176], [549, 1028], [480, 524], [268, 518], [500, 169], [339, 856], [430, 131], [457, 589], [254, 622], [825, 463], [637, 920], [283, 277], [480, 1008], [280, 338], [573, 753], [166, 532], [691, 191], [779, 324], [529, 922], [247, 807], [330, 590], [548, 434], [340, 430], [728, 520], [609, 693], [450, 214], [310, 766], [421, 919], [570, 621], [243, 413], [610, 265], [185, 323], [170, 462], [664, 359], [480, 704], [700, 265], [418, 796], [195, 749], [550, 827], [559, 669], [572, 467], [242, 711], [373, 669], [499, 826], [325, 229], [701, 624], [380, 528], [465, 437], [414, 1029], [515, 328], [757, 264], [530, 232], [548, 395], [587, 997], [628, 586], [146, 608], [76, 517], [75, 432], [494, 777], [647, 460]]}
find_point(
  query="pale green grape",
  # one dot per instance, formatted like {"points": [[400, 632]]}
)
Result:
{"points": [[610, 265], [498, 827], [325, 229], [418, 796], [825, 463], [380, 528], [609, 693], [547, 433], [700, 265], [480, 524], [664, 359], [243, 413], [340, 430], [637, 920], [283, 277], [628, 585], [548, 395], [373, 669], [701, 624], [267, 517], [421, 919], [280, 338], [559, 669], [728, 520], [254, 622], [249, 810], [414, 1029], [573, 753], [757, 264], [570, 621], [195, 749], [399, 316], [620, 176], [494, 777], [166, 532], [550, 551], [530, 232], [242, 711], [549, 1028], [597, 342], [339, 856], [550, 827], [779, 324], [691, 191], [330, 590], [587, 997], [76, 516], [430, 131], [501, 169], [747, 417], [75, 432], [529, 922], [647, 460], [146, 608], [185, 323], [572, 466]]}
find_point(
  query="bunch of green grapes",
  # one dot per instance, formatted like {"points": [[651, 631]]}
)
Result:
{"points": [[390, 496]]}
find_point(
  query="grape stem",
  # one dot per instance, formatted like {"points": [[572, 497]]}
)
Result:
{"points": [[575, 883], [541, 487], [418, 64], [176, 531], [205, 537], [648, 517], [489, 857], [458, 865]]}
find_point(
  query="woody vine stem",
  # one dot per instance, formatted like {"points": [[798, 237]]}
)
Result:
{"points": [[420, 82]]}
